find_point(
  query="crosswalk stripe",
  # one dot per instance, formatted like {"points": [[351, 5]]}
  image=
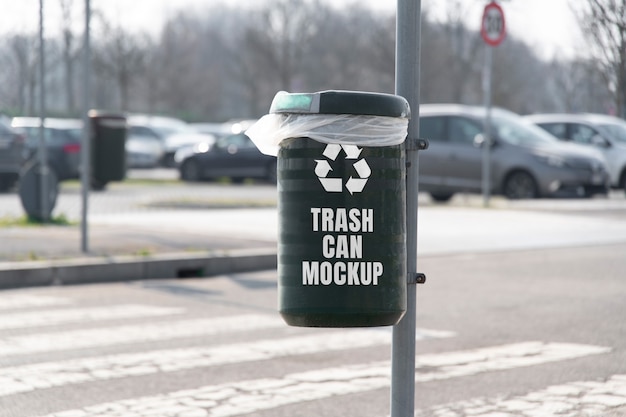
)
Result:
{"points": [[54, 317], [54, 374], [580, 398], [237, 398], [118, 335], [18, 301]]}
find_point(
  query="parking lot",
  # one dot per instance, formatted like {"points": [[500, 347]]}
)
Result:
{"points": [[153, 212]]}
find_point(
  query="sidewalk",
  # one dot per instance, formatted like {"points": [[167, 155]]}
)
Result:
{"points": [[185, 242], [50, 242], [52, 255]]}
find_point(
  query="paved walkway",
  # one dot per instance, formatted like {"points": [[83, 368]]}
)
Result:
{"points": [[203, 242], [65, 242], [441, 230]]}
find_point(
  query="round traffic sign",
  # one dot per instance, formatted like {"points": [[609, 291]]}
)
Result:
{"points": [[493, 28]]}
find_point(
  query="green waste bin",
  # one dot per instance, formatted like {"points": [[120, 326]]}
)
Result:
{"points": [[341, 206], [108, 148]]}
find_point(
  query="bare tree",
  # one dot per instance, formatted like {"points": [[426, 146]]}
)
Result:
{"points": [[354, 49], [120, 55], [519, 79], [464, 46], [604, 25], [228, 62], [23, 49], [279, 38], [70, 51], [186, 66], [577, 86]]}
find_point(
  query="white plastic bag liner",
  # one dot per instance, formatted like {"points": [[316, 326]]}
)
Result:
{"points": [[344, 129]]}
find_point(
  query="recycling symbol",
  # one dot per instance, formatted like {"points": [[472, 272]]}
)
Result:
{"points": [[335, 185]]}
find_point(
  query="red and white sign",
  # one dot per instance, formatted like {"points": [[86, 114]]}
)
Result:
{"points": [[493, 28]]}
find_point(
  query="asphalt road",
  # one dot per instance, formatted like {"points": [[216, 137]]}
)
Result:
{"points": [[514, 333], [521, 315]]}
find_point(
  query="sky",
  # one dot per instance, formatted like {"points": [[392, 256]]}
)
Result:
{"points": [[548, 26]]}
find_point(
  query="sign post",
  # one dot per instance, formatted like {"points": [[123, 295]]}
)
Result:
{"points": [[45, 199], [493, 32], [86, 137], [408, 44]]}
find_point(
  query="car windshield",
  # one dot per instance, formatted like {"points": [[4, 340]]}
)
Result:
{"points": [[616, 131], [165, 131], [240, 140], [52, 136], [76, 134], [517, 132]]}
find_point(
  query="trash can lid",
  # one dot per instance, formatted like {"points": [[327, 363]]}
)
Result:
{"points": [[341, 102], [104, 114]]}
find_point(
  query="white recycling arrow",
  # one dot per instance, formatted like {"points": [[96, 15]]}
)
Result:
{"points": [[335, 185], [352, 151], [362, 168], [332, 185], [355, 185], [331, 151], [322, 168]]}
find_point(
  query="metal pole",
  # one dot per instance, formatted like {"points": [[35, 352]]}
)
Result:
{"points": [[86, 148], [486, 183], [407, 85], [42, 152]]}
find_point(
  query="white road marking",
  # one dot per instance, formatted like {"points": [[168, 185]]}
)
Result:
{"points": [[237, 398], [109, 336], [17, 301], [54, 374], [581, 398], [73, 315]]}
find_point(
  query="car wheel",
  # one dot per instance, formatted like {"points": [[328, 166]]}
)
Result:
{"points": [[441, 197], [190, 171], [272, 172], [520, 185]]}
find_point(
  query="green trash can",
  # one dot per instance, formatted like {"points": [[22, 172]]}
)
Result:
{"points": [[341, 207], [108, 148]]}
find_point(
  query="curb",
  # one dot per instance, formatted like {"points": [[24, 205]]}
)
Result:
{"points": [[134, 268]]}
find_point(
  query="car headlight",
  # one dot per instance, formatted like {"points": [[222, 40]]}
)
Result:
{"points": [[202, 147]]}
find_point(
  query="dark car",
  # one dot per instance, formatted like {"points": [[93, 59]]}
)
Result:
{"points": [[12, 155], [526, 162], [605, 133], [234, 156], [63, 143]]}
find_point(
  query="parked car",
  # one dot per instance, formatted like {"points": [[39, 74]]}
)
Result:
{"points": [[603, 132], [63, 139], [172, 133], [526, 162], [215, 129], [143, 151], [13, 154], [225, 128], [178, 141], [234, 156]]}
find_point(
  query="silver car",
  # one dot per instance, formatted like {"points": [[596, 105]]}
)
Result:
{"points": [[173, 134], [605, 133], [526, 162]]}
